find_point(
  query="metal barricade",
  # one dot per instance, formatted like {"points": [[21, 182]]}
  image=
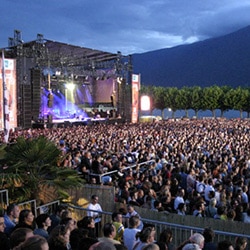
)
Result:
{"points": [[180, 232], [111, 173], [4, 196]]}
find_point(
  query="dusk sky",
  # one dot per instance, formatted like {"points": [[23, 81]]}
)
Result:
{"points": [[129, 26]]}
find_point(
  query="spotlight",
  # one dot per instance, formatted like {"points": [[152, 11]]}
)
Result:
{"points": [[119, 79]]}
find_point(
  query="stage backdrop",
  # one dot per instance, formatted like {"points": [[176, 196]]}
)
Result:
{"points": [[10, 80], [104, 90]]}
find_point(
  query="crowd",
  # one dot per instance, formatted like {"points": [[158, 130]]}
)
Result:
{"points": [[21, 230], [199, 167]]}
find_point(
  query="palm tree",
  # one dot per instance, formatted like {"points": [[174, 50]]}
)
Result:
{"points": [[33, 171]]}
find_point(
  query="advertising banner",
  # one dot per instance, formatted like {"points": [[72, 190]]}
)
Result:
{"points": [[8, 100], [135, 97]]}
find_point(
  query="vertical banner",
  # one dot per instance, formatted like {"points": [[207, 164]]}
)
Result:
{"points": [[8, 105], [135, 97]]}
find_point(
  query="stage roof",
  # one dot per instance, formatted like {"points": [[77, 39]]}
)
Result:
{"points": [[78, 52], [62, 54]]}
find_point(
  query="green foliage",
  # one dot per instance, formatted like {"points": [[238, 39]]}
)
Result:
{"points": [[33, 170], [197, 98]]}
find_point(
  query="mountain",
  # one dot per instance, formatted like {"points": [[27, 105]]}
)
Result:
{"points": [[224, 60]]}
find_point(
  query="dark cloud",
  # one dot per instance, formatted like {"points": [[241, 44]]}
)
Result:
{"points": [[125, 25]]}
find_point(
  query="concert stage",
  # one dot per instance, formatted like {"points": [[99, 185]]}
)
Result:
{"points": [[63, 123]]}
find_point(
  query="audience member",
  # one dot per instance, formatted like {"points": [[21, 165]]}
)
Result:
{"points": [[129, 235], [88, 224], [109, 233], [4, 241], [166, 237], [146, 236], [117, 222], [35, 242], [132, 212], [209, 235], [59, 238], [11, 218], [225, 245], [19, 235], [240, 243], [43, 222], [26, 219], [94, 211]]}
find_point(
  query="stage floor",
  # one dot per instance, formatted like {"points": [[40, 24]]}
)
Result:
{"points": [[59, 123]]}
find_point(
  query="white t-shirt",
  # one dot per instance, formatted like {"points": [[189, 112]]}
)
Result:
{"points": [[129, 239], [96, 207]]}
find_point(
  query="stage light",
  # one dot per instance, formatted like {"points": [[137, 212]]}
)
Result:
{"points": [[58, 73], [119, 79], [70, 86]]}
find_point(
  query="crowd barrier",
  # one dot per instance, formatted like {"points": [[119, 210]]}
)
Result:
{"points": [[180, 232], [115, 172]]}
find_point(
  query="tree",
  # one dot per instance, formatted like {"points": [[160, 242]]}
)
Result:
{"points": [[211, 97], [159, 96], [33, 171], [222, 103], [183, 99], [170, 100], [240, 99], [246, 107], [196, 97]]}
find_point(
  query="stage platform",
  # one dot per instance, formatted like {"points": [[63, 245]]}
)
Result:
{"points": [[62, 123]]}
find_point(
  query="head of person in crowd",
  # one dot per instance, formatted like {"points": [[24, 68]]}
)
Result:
{"points": [[88, 223], [69, 223], [130, 209], [117, 217], [166, 236], [208, 234], [35, 242], [43, 221], [59, 238], [134, 221], [225, 245], [13, 212], [231, 214], [240, 243], [109, 230], [94, 199], [182, 208], [11, 218], [102, 246], [191, 246], [66, 214], [26, 219], [151, 246], [19, 235], [166, 239], [147, 235], [198, 239]]}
